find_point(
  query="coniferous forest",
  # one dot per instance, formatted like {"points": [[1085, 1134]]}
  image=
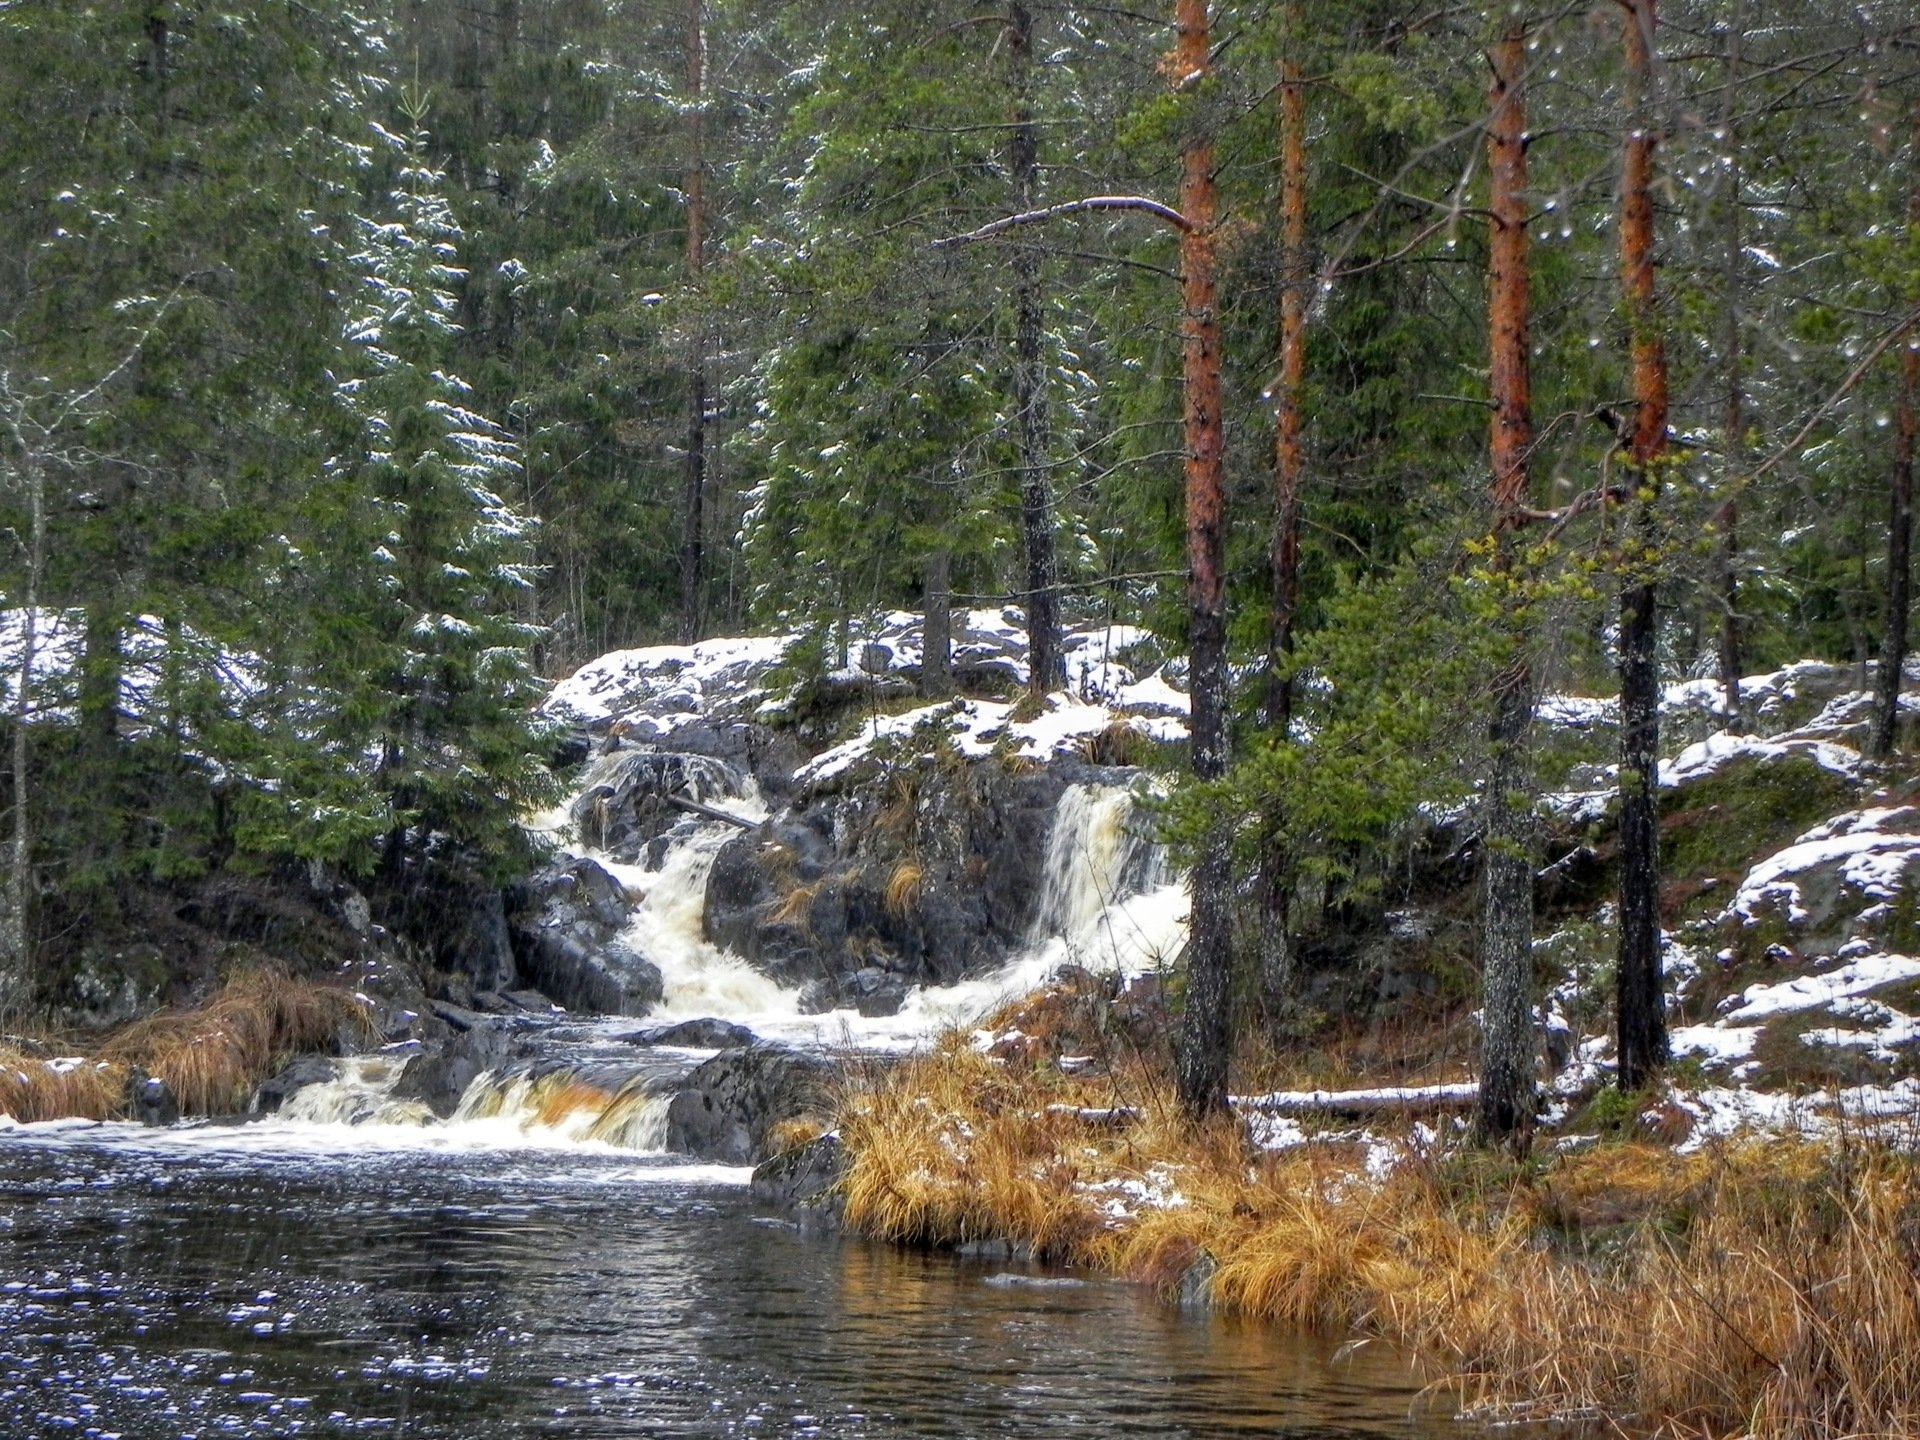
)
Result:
{"points": [[1493, 425]]}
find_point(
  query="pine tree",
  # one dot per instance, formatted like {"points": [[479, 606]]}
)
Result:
{"points": [[425, 656]]}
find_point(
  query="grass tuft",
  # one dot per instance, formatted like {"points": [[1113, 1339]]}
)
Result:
{"points": [[35, 1087], [903, 888], [212, 1058], [1745, 1289]]}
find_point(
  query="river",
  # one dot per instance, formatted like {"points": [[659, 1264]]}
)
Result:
{"points": [[540, 1268], [316, 1280]]}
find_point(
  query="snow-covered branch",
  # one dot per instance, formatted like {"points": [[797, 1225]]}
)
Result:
{"points": [[1070, 207]]}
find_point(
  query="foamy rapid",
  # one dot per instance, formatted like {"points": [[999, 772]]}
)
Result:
{"points": [[1106, 904]]}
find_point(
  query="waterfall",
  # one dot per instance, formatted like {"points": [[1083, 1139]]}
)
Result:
{"points": [[1096, 857], [360, 1093], [669, 928], [1107, 899], [1108, 902], [569, 1104]]}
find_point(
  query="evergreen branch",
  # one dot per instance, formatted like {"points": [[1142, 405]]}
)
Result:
{"points": [[1886, 342], [1070, 207]]}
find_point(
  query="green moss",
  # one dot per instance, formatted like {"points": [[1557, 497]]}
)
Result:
{"points": [[1903, 921], [1719, 825]]}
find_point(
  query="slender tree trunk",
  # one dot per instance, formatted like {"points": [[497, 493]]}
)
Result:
{"points": [[1288, 458], [1734, 418], [1507, 1081], [16, 966], [1276, 862], [1201, 1072], [692, 518], [1893, 647], [936, 633], [1046, 669], [1642, 1024]]}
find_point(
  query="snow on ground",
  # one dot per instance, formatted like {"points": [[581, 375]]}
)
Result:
{"points": [[977, 728], [1721, 1112], [674, 683], [1718, 750], [1775, 711], [1758, 1003], [654, 690], [1872, 851]]}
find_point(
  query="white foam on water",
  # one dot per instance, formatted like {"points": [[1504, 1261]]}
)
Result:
{"points": [[1106, 904], [360, 1093]]}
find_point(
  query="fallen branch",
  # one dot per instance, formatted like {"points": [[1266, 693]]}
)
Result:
{"points": [[694, 807], [1389, 1099], [1070, 207], [1395, 1099]]}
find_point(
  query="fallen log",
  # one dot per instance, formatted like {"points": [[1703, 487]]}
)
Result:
{"points": [[708, 812], [1380, 1100], [1386, 1099]]}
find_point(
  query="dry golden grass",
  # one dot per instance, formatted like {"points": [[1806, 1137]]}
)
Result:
{"points": [[903, 888], [213, 1057], [33, 1087], [1765, 1289], [795, 906]]}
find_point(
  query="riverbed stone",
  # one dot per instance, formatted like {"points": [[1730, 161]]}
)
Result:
{"points": [[925, 873], [804, 1182], [566, 929], [705, 1033], [439, 1078], [153, 1100], [275, 1091], [727, 1106], [627, 798]]}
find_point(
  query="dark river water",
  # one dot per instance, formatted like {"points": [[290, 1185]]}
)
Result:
{"points": [[209, 1285]]}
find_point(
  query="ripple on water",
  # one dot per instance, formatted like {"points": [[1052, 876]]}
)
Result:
{"points": [[156, 1291]]}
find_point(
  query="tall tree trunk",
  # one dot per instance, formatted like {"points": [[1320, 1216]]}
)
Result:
{"points": [[1201, 1072], [1893, 647], [16, 965], [1046, 669], [692, 519], [1288, 459], [936, 632], [1734, 418], [1507, 1082], [1641, 1019], [1276, 861]]}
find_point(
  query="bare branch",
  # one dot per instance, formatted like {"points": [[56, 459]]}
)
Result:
{"points": [[1071, 207]]}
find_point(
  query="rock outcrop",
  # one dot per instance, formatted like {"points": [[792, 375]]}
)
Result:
{"points": [[920, 875], [566, 929], [728, 1106]]}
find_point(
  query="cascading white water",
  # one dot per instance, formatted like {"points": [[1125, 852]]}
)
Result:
{"points": [[1107, 903], [1096, 858], [360, 1093], [564, 1106], [669, 928]]}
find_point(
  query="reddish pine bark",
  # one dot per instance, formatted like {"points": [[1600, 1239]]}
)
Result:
{"points": [[1507, 1081], [1641, 1007], [1201, 1072]]}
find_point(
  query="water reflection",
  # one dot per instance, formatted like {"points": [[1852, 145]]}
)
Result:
{"points": [[186, 1292]]}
